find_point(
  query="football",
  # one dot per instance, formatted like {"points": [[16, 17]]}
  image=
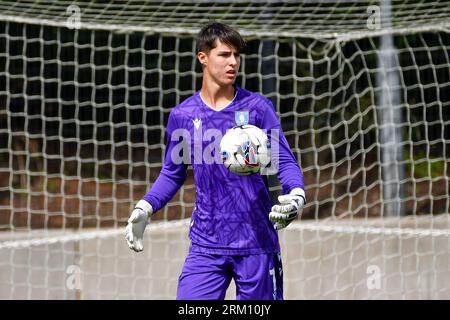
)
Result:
{"points": [[245, 150]]}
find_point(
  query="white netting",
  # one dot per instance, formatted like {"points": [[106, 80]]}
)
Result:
{"points": [[312, 19], [380, 259], [82, 119]]}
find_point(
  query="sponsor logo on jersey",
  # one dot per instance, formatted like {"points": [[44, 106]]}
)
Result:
{"points": [[197, 123]]}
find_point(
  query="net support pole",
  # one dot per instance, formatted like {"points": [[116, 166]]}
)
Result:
{"points": [[390, 120]]}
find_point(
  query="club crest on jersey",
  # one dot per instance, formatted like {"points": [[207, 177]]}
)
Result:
{"points": [[241, 117]]}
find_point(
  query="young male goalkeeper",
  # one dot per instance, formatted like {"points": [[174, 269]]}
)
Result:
{"points": [[233, 229]]}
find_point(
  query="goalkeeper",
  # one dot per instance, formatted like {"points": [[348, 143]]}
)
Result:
{"points": [[233, 228]]}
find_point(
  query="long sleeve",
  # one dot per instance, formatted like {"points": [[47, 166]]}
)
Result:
{"points": [[172, 175], [288, 170]]}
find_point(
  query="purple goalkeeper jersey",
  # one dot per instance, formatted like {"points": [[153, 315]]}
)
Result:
{"points": [[231, 212]]}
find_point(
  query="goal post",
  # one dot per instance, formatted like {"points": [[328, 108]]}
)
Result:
{"points": [[85, 93]]}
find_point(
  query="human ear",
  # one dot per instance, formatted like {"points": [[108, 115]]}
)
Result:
{"points": [[202, 58]]}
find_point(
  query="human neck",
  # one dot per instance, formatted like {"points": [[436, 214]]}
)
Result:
{"points": [[217, 97]]}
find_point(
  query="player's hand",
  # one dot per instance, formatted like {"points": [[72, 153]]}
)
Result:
{"points": [[134, 232], [288, 209]]}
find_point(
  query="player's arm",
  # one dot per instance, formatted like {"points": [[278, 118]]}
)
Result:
{"points": [[288, 171], [170, 179]]}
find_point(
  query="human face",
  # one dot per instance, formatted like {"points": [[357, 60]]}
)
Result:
{"points": [[221, 64]]}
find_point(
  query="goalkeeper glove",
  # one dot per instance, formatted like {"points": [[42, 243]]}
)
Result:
{"points": [[288, 209], [134, 232]]}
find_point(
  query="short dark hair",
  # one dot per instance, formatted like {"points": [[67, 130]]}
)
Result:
{"points": [[206, 38]]}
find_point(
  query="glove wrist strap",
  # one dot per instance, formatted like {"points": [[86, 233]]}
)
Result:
{"points": [[299, 192], [145, 206]]}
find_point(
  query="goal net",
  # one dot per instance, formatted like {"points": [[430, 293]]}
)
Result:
{"points": [[362, 89]]}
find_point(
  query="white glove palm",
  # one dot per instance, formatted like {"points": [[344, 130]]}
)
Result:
{"points": [[134, 232], [288, 209]]}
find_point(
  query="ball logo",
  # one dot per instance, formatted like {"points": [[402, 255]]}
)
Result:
{"points": [[225, 156], [252, 156], [249, 153]]}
